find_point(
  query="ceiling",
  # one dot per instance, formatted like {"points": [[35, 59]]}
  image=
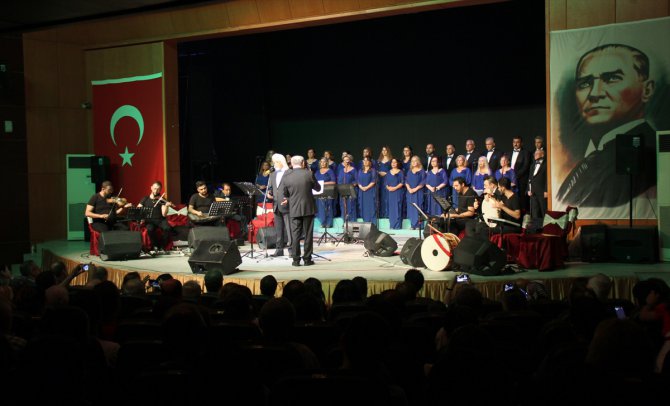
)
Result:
{"points": [[27, 15]]}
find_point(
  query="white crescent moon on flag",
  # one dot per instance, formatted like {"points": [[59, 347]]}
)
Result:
{"points": [[127, 111]]}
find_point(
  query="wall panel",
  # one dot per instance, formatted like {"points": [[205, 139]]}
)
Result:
{"points": [[582, 13], [633, 10], [306, 8]]}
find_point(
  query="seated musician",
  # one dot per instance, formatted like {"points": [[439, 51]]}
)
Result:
{"points": [[104, 209], [226, 194], [466, 206], [158, 216], [198, 207], [510, 208]]}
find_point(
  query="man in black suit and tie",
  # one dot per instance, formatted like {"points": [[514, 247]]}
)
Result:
{"points": [[521, 159], [282, 219], [471, 155], [612, 89], [296, 187], [430, 153], [449, 160], [537, 187], [492, 156]]}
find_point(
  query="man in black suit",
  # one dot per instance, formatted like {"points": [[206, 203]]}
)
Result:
{"points": [[282, 219], [537, 187], [430, 153], [449, 160], [520, 161], [492, 156], [296, 187], [471, 155], [612, 89]]}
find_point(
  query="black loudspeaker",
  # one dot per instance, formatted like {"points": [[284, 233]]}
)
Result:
{"points": [[380, 244], [480, 257], [99, 170], [361, 230], [222, 256], [639, 244], [594, 243], [267, 236], [197, 234], [629, 154], [411, 253], [477, 229], [117, 245]]}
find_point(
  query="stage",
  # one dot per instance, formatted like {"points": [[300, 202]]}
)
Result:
{"points": [[345, 261]]}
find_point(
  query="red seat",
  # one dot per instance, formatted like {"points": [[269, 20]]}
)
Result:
{"points": [[264, 220], [95, 236], [146, 240]]}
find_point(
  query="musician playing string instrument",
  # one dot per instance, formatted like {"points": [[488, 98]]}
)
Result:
{"points": [[199, 204], [158, 216], [226, 194], [102, 208], [510, 208], [466, 206]]}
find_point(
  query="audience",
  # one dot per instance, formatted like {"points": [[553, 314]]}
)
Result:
{"points": [[58, 334]]}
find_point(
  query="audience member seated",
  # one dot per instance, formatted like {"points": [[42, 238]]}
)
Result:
{"points": [[96, 275], [191, 292], [362, 284]]}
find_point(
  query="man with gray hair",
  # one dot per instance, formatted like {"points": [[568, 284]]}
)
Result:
{"points": [[282, 219], [296, 187], [492, 156], [601, 285]]}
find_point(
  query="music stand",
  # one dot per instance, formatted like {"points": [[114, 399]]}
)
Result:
{"points": [[222, 209], [250, 190], [328, 195], [139, 213], [446, 207], [423, 216], [348, 192]]}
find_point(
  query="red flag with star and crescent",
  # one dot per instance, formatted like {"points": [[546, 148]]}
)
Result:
{"points": [[128, 128]]}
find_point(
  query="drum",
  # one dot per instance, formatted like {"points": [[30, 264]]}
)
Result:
{"points": [[197, 220], [437, 251]]}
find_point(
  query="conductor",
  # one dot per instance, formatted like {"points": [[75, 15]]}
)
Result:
{"points": [[296, 187]]}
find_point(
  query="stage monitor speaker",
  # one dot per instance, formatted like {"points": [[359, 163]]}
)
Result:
{"points": [[99, 170], [222, 256], [209, 233], [633, 245], [361, 230], [411, 253], [380, 244], [115, 245], [480, 257], [266, 237], [629, 154], [594, 243]]}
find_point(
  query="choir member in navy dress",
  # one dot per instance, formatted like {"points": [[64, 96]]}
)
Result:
{"points": [[460, 171], [506, 171], [436, 182], [367, 191], [325, 208], [311, 161], [352, 163], [262, 180], [395, 186], [347, 175], [406, 163], [481, 173], [415, 180], [383, 166], [331, 164], [367, 153]]}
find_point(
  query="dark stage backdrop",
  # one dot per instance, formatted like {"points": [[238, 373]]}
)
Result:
{"points": [[439, 76]]}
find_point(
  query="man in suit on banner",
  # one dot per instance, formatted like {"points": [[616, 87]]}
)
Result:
{"points": [[296, 188], [612, 89]]}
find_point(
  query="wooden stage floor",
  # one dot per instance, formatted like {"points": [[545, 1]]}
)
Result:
{"points": [[345, 261]]}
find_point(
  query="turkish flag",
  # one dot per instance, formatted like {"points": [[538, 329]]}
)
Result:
{"points": [[128, 128]]}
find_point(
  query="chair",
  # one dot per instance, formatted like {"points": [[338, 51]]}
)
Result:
{"points": [[547, 251], [95, 237], [146, 240]]}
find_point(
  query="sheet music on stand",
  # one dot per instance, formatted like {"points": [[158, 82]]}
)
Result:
{"points": [[444, 203], [328, 192], [139, 213], [224, 208], [249, 188]]}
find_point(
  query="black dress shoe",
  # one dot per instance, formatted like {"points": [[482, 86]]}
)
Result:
{"points": [[309, 262], [278, 253], [295, 263]]}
